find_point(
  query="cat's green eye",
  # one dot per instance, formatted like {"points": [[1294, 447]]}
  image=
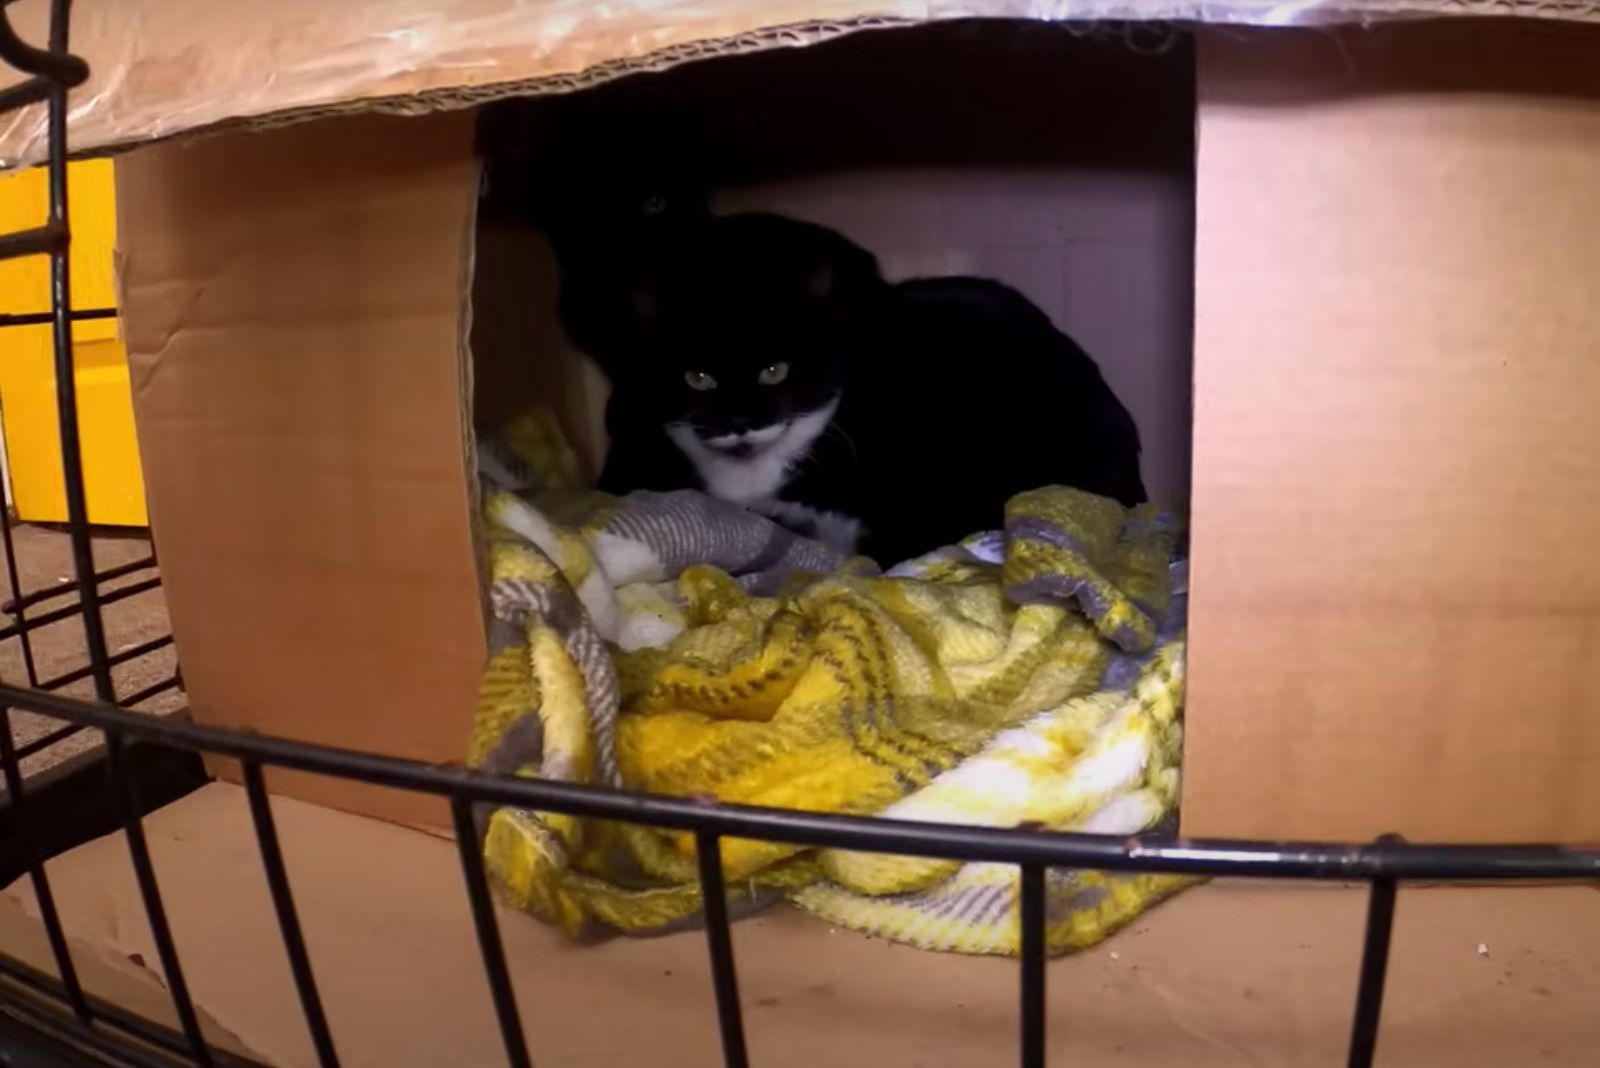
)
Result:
{"points": [[771, 376], [699, 380]]}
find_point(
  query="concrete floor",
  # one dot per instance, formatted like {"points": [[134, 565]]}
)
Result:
{"points": [[44, 557]]}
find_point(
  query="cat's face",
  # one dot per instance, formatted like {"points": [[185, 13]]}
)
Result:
{"points": [[738, 373], [744, 335]]}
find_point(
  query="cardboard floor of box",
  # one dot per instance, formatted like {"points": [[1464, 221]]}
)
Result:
{"points": [[1227, 974]]}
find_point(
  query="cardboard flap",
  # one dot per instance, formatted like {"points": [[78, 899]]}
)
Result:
{"points": [[295, 314]]}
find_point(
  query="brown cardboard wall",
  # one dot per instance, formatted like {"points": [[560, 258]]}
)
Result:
{"points": [[294, 323], [1395, 615]]}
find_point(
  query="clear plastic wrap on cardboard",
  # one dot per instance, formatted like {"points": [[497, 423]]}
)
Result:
{"points": [[163, 67]]}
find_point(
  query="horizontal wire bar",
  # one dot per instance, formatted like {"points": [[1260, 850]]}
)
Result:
{"points": [[46, 318], [64, 70], [47, 238], [1192, 856], [133, 652], [66, 586], [108, 1014], [40, 744], [44, 897], [22, 94], [72, 1042], [171, 682], [56, 615], [122, 656]]}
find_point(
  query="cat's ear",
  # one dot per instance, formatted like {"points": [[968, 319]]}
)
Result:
{"points": [[846, 279]]}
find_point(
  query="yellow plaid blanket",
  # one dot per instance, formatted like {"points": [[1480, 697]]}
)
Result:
{"points": [[674, 644]]}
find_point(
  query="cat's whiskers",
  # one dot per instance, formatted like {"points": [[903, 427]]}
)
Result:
{"points": [[843, 435]]}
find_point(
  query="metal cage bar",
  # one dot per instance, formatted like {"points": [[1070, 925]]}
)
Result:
{"points": [[1374, 972], [493, 950], [1031, 907], [1387, 857], [1383, 863], [155, 912], [52, 72], [59, 1010], [100, 660], [67, 586], [294, 942], [17, 609], [719, 945], [20, 984], [42, 893], [77, 315], [62, 71]]}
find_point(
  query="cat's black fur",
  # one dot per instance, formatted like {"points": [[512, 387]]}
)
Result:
{"points": [[952, 394]]}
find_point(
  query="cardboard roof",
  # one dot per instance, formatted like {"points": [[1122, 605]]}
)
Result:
{"points": [[166, 67]]}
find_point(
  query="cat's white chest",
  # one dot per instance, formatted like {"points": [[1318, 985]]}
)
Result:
{"points": [[744, 481], [752, 479]]}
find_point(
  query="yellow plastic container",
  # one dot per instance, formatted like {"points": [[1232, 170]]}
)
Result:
{"points": [[113, 481]]}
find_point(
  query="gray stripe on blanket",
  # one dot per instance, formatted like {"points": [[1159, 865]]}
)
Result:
{"points": [[683, 528]]}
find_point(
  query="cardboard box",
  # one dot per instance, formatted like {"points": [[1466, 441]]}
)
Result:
{"points": [[1395, 400], [1383, 240]]}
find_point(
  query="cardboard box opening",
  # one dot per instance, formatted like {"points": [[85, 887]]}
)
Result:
{"points": [[1062, 165]]}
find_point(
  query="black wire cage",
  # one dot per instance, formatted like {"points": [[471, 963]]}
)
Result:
{"points": [[147, 761]]}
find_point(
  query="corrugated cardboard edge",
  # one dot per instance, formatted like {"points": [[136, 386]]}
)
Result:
{"points": [[557, 62], [469, 439]]}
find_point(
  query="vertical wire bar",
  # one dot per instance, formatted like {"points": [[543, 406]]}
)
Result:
{"points": [[294, 943], [1374, 971], [41, 884], [94, 634], [494, 954], [719, 943], [19, 611], [83, 551], [1032, 978], [160, 931]]}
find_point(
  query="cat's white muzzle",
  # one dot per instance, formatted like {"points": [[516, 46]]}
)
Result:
{"points": [[746, 443]]}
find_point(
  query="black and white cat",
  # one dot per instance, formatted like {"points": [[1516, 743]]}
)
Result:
{"points": [[768, 362]]}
